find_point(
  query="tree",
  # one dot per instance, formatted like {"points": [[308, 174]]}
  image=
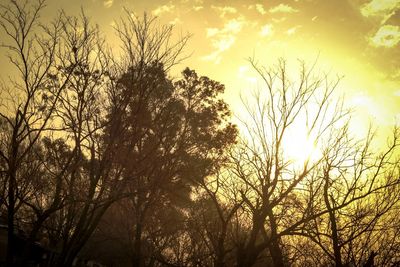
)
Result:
{"points": [[359, 188], [27, 111], [172, 134], [281, 195], [210, 222]]}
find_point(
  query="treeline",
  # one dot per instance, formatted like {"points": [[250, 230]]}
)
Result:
{"points": [[105, 156]]}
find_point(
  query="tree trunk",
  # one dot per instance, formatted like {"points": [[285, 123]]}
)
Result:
{"points": [[334, 231], [11, 213], [137, 246], [370, 260], [274, 246], [220, 253], [276, 253], [10, 230]]}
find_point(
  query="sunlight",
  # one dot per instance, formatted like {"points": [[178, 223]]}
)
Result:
{"points": [[298, 147]]}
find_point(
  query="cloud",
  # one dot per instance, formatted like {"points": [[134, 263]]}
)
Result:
{"points": [[175, 21], [259, 7], [220, 45], [234, 25], [283, 8], [223, 38], [266, 30], [163, 9], [293, 30], [212, 31], [397, 93], [225, 10], [197, 8], [281, 19], [380, 8], [108, 3], [386, 36]]}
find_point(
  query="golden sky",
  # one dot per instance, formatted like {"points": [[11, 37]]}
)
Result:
{"points": [[359, 39]]}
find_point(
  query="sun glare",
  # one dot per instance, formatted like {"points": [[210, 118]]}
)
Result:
{"points": [[299, 147]]}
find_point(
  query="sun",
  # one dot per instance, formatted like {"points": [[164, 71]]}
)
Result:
{"points": [[299, 146]]}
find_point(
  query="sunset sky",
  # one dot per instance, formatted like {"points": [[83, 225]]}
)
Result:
{"points": [[359, 39]]}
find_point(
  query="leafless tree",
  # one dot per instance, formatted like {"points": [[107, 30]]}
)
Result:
{"points": [[282, 196], [359, 188], [25, 109], [211, 217], [143, 41]]}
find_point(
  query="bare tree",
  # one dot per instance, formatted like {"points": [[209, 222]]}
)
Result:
{"points": [[211, 217], [360, 186], [270, 178], [143, 41], [283, 196], [26, 110]]}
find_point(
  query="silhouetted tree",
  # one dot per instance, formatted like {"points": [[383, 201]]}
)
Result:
{"points": [[211, 217], [359, 187], [26, 108], [283, 196], [172, 134]]}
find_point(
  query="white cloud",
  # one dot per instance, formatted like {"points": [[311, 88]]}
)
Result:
{"points": [[386, 36], [224, 43], [163, 9], [377, 6], [397, 93], [293, 30], [234, 25], [283, 8], [197, 8], [108, 3], [220, 45], [222, 39], [175, 21], [266, 30], [225, 10], [380, 8], [212, 31], [384, 9], [259, 7]]}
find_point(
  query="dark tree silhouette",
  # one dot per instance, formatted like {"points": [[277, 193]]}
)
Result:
{"points": [[105, 156], [26, 109], [172, 134]]}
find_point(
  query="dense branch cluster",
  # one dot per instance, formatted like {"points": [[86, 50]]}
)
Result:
{"points": [[105, 157]]}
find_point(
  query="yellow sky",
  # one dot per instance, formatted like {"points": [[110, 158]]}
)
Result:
{"points": [[359, 39]]}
